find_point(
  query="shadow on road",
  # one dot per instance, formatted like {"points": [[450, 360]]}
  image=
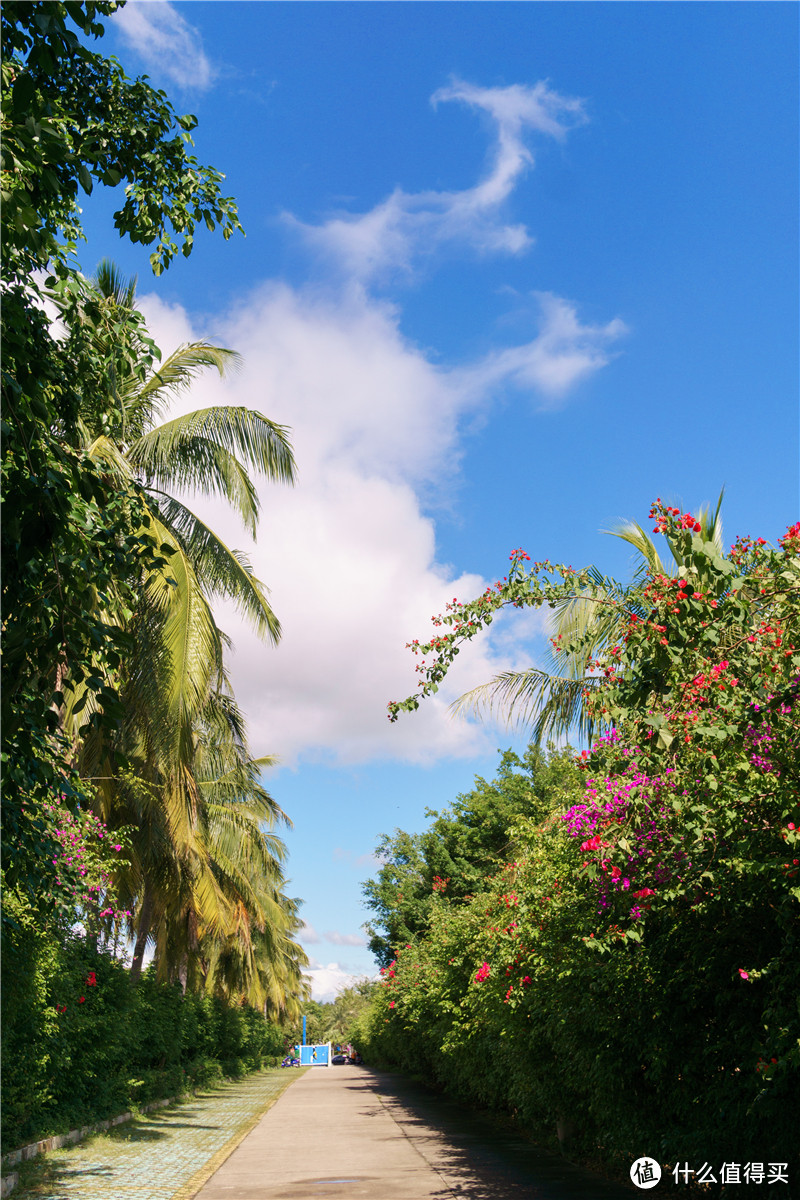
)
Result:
{"points": [[480, 1158]]}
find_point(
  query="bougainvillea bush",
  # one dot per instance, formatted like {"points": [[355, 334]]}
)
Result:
{"points": [[633, 974]]}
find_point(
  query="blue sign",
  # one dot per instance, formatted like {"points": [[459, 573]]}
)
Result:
{"points": [[315, 1056]]}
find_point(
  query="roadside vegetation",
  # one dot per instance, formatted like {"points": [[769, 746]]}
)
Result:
{"points": [[605, 944], [134, 821]]}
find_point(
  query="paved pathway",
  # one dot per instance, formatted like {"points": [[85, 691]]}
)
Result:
{"points": [[346, 1131], [364, 1135], [166, 1155]]}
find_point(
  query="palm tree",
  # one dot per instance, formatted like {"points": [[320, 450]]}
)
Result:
{"points": [[204, 866], [552, 704], [209, 451]]}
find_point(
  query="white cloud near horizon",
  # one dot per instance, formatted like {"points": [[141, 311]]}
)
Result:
{"points": [[407, 225], [166, 42], [329, 979]]}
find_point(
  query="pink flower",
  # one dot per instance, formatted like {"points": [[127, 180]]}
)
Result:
{"points": [[743, 974], [482, 973], [391, 1004]]}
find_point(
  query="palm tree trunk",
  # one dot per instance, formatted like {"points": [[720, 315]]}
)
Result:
{"points": [[145, 917]]}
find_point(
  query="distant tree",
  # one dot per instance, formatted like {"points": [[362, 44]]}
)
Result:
{"points": [[470, 839]]}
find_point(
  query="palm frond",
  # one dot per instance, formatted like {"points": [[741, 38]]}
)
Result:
{"points": [[190, 633], [221, 571], [197, 451], [180, 369], [106, 452], [198, 465], [550, 706], [584, 624], [112, 285], [633, 533]]}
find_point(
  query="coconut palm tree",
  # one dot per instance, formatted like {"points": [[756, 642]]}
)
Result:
{"points": [[209, 451], [205, 866], [552, 704]]}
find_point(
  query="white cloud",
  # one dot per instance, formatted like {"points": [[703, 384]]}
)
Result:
{"points": [[563, 354], [407, 224], [308, 934], [344, 939], [349, 554], [166, 42], [329, 979]]}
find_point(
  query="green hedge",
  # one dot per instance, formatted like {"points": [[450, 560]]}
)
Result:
{"points": [[684, 1042], [67, 1062]]}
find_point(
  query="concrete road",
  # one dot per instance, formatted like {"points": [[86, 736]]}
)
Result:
{"points": [[355, 1133]]}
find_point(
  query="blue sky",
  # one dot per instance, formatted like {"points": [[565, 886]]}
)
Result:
{"points": [[511, 271]]}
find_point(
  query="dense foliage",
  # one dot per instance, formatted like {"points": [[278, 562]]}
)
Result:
{"points": [[74, 542], [469, 840], [132, 804], [82, 1042], [632, 973]]}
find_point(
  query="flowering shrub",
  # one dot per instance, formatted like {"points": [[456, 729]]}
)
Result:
{"points": [[86, 856], [636, 965], [80, 1042]]}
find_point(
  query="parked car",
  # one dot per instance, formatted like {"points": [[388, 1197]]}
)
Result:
{"points": [[340, 1060]]}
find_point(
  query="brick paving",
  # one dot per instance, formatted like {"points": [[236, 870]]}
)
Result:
{"points": [[166, 1155]]}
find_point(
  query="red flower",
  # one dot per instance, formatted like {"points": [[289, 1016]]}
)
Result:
{"points": [[91, 979], [391, 1004], [82, 1000]]}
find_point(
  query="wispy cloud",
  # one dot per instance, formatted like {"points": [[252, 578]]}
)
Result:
{"points": [[394, 234], [563, 353], [344, 939], [166, 42], [357, 861], [309, 936]]}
